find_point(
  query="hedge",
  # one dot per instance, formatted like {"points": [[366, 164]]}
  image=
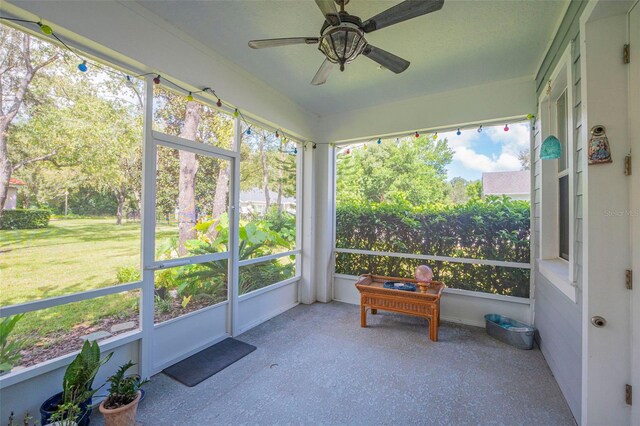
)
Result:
{"points": [[24, 219], [495, 229]]}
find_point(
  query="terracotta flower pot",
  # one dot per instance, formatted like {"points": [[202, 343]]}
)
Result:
{"points": [[121, 416]]}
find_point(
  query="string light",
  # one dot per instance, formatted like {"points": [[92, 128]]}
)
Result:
{"points": [[156, 79], [277, 134], [435, 136], [379, 141], [219, 103], [348, 151], [506, 127], [417, 135], [295, 150], [236, 113], [83, 66], [248, 131], [480, 129], [364, 146], [45, 28], [190, 97], [530, 116], [458, 132], [129, 81]]}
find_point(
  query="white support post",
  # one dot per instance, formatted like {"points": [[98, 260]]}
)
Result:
{"points": [[323, 182], [234, 238], [148, 235], [307, 285]]}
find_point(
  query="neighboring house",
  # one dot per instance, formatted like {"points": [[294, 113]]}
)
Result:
{"points": [[515, 185], [254, 201], [12, 194]]}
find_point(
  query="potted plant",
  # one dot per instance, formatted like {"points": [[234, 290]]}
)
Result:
{"points": [[77, 387], [120, 406], [65, 415]]}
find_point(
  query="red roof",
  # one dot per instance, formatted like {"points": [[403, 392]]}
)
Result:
{"points": [[14, 181]]}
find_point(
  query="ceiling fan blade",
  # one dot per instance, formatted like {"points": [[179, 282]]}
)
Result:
{"points": [[329, 10], [386, 59], [323, 73], [406, 10], [277, 42]]}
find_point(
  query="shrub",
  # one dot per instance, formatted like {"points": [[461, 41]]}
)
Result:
{"points": [[24, 219], [127, 274], [493, 229]]}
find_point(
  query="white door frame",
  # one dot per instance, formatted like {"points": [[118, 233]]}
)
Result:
{"points": [[152, 140], [634, 205]]}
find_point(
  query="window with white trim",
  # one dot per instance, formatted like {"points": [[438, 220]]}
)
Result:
{"points": [[557, 177]]}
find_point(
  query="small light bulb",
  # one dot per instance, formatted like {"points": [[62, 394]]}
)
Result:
{"points": [[219, 103], [458, 132], [45, 28], [83, 66], [364, 147], [249, 131], [189, 97], [530, 116], [348, 151], [277, 134], [435, 136], [156, 79], [506, 127], [236, 113], [295, 150], [379, 141], [417, 135], [480, 129]]}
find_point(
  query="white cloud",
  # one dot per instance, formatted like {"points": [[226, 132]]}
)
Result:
{"points": [[483, 163]]}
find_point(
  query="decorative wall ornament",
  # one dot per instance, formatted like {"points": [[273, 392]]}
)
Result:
{"points": [[599, 149]]}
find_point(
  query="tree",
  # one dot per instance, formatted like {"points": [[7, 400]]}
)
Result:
{"points": [[474, 190], [187, 180], [458, 190], [410, 170], [525, 159], [18, 66]]}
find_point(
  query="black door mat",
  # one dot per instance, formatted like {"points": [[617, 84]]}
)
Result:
{"points": [[206, 363]]}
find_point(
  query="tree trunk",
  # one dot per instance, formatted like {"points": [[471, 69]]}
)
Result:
{"points": [[265, 175], [220, 199], [120, 198], [12, 110], [187, 182], [6, 168]]}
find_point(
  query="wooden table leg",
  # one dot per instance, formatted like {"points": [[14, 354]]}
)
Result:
{"points": [[363, 315]]}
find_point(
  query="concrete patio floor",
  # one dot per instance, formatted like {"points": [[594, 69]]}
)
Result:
{"points": [[315, 365]]}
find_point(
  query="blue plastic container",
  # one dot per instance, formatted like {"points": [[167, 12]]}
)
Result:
{"points": [[510, 331], [49, 407]]}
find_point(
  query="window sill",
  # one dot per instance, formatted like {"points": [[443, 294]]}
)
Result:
{"points": [[557, 272]]}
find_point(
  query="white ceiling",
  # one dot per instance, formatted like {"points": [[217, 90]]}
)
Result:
{"points": [[466, 43]]}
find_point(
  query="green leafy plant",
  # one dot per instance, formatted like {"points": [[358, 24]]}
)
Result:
{"points": [[66, 413], [123, 390], [127, 274], [9, 348], [80, 374], [163, 305]]}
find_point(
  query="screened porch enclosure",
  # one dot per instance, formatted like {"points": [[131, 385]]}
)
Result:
{"points": [[168, 188]]}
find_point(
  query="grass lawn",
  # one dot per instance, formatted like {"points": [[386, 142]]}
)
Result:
{"points": [[69, 256]]}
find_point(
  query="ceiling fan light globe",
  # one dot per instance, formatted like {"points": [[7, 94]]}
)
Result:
{"points": [[342, 44]]}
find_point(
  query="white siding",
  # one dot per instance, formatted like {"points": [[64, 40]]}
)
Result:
{"points": [[557, 318]]}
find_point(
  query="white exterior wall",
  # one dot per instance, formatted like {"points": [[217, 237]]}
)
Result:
{"points": [[12, 198]]}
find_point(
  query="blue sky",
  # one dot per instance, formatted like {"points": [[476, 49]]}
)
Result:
{"points": [[492, 150]]}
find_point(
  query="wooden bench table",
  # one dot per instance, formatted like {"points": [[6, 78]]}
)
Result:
{"points": [[423, 303]]}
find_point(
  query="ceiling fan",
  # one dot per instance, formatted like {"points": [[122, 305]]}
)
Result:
{"points": [[342, 35]]}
